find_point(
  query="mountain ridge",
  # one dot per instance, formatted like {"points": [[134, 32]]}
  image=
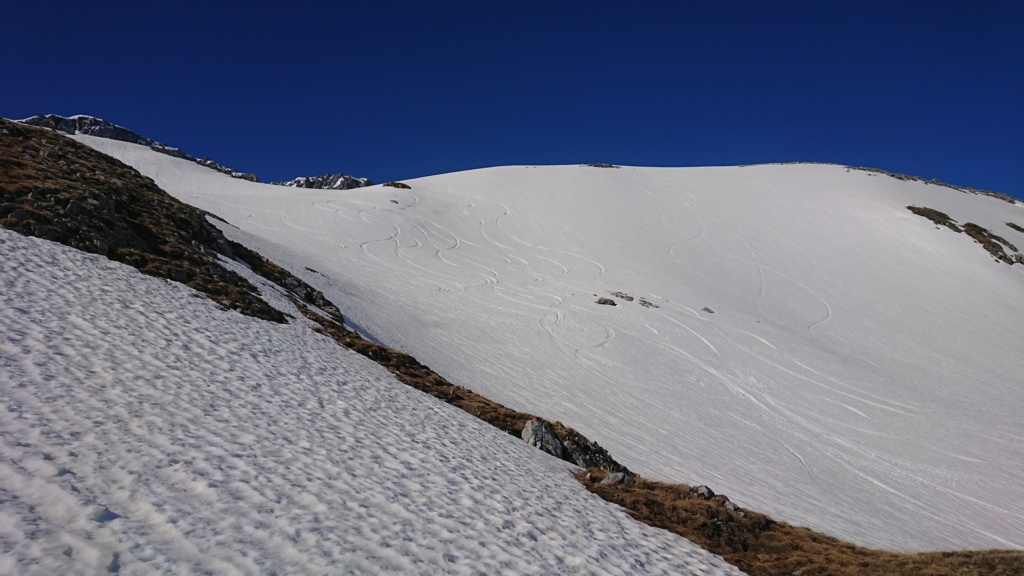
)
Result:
{"points": [[93, 126]]}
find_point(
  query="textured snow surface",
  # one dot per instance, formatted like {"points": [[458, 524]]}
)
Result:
{"points": [[145, 431], [860, 372]]}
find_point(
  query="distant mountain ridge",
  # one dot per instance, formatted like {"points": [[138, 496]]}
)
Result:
{"points": [[327, 182], [84, 124]]}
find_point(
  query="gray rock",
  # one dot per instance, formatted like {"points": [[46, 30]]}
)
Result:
{"points": [[539, 434], [327, 182], [618, 478], [21, 215], [103, 129], [606, 302], [87, 125], [703, 492]]}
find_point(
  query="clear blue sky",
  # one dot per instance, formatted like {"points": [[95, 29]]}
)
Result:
{"points": [[393, 90]]}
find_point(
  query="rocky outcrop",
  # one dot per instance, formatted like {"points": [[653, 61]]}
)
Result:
{"points": [[703, 492], [55, 188], [618, 478], [402, 185], [327, 182], [584, 452], [539, 434], [82, 124], [992, 243]]}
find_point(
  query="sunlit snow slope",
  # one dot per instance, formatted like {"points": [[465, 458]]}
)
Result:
{"points": [[813, 349], [147, 431]]}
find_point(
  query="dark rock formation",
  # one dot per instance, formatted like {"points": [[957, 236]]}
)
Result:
{"points": [[61, 190], [327, 182], [539, 434], [606, 302], [88, 125], [703, 492], [397, 185], [585, 453], [103, 129], [992, 243]]}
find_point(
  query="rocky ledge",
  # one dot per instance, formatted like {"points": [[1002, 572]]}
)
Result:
{"points": [[82, 124]]}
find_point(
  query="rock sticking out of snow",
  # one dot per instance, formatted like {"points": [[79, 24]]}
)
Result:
{"points": [[327, 182], [539, 434]]}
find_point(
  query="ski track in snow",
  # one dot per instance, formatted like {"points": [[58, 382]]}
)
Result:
{"points": [[825, 334], [146, 431]]}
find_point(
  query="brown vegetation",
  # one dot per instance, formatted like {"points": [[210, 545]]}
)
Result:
{"points": [[761, 546], [55, 188], [935, 216], [992, 243]]}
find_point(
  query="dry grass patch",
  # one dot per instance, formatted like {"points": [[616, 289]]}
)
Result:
{"points": [[940, 218], [761, 546], [55, 188], [992, 243]]}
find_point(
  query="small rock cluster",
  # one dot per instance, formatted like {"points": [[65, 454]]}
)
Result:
{"points": [[327, 182]]}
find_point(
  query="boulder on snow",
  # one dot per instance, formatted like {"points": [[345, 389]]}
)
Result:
{"points": [[606, 302], [539, 434]]}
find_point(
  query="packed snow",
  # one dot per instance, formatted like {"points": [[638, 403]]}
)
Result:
{"points": [[808, 346], [146, 431]]}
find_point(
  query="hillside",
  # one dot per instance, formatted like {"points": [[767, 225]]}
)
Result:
{"points": [[791, 335], [172, 405]]}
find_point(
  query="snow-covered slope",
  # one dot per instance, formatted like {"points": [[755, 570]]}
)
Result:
{"points": [[808, 347], [146, 431]]}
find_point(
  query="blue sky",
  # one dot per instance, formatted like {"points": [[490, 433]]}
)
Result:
{"points": [[393, 90]]}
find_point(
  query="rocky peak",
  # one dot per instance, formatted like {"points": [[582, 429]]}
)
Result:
{"points": [[82, 124], [90, 125], [327, 182]]}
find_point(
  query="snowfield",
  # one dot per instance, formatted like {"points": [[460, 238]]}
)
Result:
{"points": [[145, 431], [805, 344]]}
